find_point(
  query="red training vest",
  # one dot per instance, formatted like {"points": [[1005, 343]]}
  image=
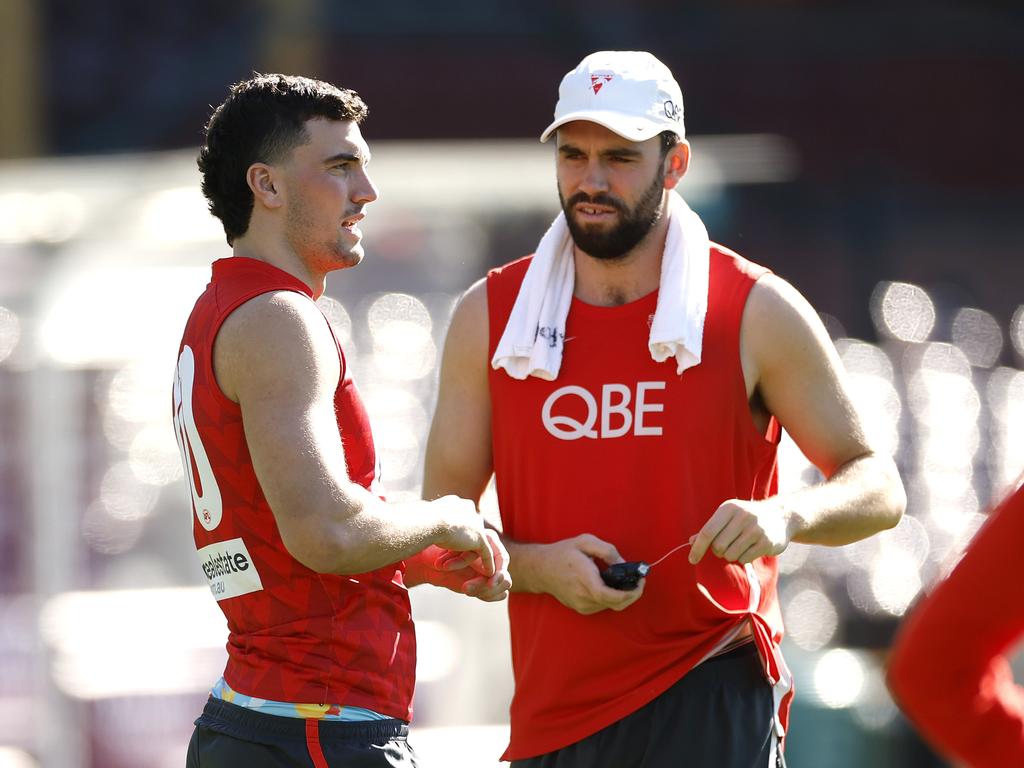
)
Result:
{"points": [[294, 635], [624, 448]]}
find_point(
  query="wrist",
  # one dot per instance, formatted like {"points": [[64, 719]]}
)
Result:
{"points": [[793, 521], [526, 566], [416, 569]]}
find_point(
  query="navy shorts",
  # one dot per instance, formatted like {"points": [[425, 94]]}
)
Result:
{"points": [[719, 715], [229, 736]]}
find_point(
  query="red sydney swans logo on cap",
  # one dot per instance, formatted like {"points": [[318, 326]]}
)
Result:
{"points": [[598, 79]]}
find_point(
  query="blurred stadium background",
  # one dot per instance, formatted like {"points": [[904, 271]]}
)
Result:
{"points": [[868, 152]]}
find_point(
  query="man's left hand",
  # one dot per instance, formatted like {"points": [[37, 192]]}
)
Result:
{"points": [[741, 531]]}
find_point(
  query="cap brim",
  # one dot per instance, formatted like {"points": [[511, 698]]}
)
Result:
{"points": [[631, 128]]}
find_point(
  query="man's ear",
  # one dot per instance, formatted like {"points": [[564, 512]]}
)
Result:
{"points": [[266, 189], [676, 164]]}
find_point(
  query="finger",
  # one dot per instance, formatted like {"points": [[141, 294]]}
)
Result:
{"points": [[486, 556], [616, 599], [759, 549], [746, 540], [473, 587], [453, 561], [497, 588], [707, 534], [599, 548], [631, 597], [733, 532], [498, 550]]}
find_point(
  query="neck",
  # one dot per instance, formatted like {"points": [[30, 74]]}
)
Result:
{"points": [[274, 250], [611, 282]]}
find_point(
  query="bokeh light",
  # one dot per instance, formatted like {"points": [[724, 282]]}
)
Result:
{"points": [[874, 708], [50, 217], [1017, 330], [123, 496], [10, 332], [153, 456], [978, 335], [339, 319], [871, 384], [177, 215], [895, 580], [946, 404], [109, 535], [16, 758], [403, 344], [1006, 402], [793, 558], [903, 311], [811, 619], [838, 678], [399, 427]]}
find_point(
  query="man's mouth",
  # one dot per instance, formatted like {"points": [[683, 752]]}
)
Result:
{"points": [[351, 221], [591, 212]]}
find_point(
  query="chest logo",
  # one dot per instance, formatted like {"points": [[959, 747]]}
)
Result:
{"points": [[573, 412]]}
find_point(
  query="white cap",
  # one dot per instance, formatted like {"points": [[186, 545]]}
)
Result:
{"points": [[628, 92]]}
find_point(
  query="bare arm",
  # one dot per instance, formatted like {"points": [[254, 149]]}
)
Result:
{"points": [[459, 461], [276, 358], [458, 456], [790, 361]]}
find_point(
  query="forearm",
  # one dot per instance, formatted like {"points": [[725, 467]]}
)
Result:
{"points": [[358, 532], [863, 497]]}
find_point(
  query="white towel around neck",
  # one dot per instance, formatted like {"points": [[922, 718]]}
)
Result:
{"points": [[531, 344]]}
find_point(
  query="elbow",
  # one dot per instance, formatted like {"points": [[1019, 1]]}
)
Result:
{"points": [[318, 551], [313, 555], [883, 499], [894, 497]]}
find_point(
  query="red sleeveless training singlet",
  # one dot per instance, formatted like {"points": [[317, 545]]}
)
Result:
{"points": [[294, 635], [624, 448]]}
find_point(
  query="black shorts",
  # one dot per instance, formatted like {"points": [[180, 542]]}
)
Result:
{"points": [[719, 715], [229, 736]]}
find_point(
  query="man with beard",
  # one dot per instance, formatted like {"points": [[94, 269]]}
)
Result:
{"points": [[627, 385], [307, 561]]}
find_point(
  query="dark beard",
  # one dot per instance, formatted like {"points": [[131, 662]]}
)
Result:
{"points": [[632, 228]]}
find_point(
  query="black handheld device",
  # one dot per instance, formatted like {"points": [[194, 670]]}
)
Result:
{"points": [[625, 576]]}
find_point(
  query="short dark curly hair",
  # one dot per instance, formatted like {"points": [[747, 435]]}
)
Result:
{"points": [[261, 121]]}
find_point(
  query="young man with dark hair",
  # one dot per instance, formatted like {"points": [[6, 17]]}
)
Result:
{"points": [[309, 565], [627, 386]]}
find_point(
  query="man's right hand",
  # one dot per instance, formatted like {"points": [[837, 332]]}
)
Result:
{"points": [[567, 571]]}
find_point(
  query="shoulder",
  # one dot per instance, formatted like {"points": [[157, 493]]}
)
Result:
{"points": [[507, 278], [502, 288], [511, 270], [274, 336], [276, 315], [470, 322], [727, 260], [774, 301], [780, 328]]}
